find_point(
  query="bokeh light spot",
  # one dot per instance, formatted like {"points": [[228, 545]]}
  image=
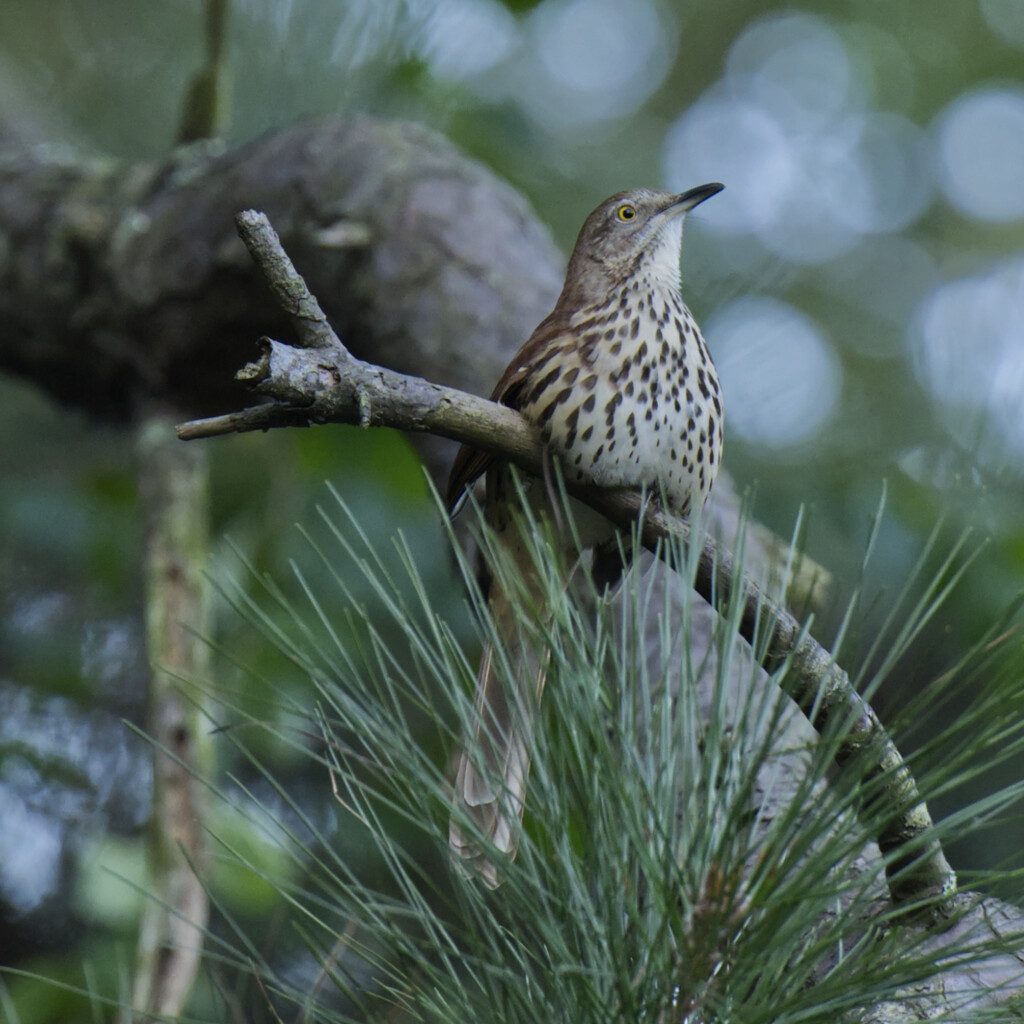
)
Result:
{"points": [[797, 57], [780, 376], [810, 171], [462, 38], [30, 851], [966, 348], [981, 154], [595, 59], [714, 141]]}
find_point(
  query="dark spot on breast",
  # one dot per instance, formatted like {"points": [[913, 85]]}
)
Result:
{"points": [[570, 375], [546, 382], [541, 361], [612, 404], [588, 433], [590, 382], [588, 404], [549, 410]]}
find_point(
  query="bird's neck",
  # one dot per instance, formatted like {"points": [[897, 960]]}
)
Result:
{"points": [[660, 266], [592, 285]]}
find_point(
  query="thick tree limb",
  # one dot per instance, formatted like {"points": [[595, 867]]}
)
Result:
{"points": [[321, 382], [122, 284]]}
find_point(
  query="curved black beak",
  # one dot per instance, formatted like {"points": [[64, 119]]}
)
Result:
{"points": [[686, 201]]}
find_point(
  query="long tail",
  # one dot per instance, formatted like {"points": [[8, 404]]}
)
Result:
{"points": [[490, 786]]}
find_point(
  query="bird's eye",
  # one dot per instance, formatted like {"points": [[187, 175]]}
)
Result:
{"points": [[626, 212]]}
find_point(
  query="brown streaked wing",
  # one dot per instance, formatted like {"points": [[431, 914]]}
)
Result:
{"points": [[470, 464]]}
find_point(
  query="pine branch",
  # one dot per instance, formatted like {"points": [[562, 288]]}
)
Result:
{"points": [[319, 381]]}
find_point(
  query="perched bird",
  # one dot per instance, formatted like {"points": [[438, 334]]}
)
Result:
{"points": [[622, 385]]}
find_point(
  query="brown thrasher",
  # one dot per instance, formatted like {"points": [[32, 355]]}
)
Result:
{"points": [[621, 383]]}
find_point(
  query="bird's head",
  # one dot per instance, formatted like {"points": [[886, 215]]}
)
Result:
{"points": [[629, 232]]}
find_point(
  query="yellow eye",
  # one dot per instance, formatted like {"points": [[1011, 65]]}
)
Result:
{"points": [[626, 212]]}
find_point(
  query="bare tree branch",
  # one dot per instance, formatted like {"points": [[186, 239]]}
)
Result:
{"points": [[321, 382]]}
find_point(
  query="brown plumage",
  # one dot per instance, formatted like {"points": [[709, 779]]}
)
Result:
{"points": [[622, 385]]}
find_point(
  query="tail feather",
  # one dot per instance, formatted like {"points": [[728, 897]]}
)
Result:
{"points": [[490, 786]]}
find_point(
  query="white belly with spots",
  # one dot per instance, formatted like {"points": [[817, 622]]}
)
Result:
{"points": [[645, 410]]}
